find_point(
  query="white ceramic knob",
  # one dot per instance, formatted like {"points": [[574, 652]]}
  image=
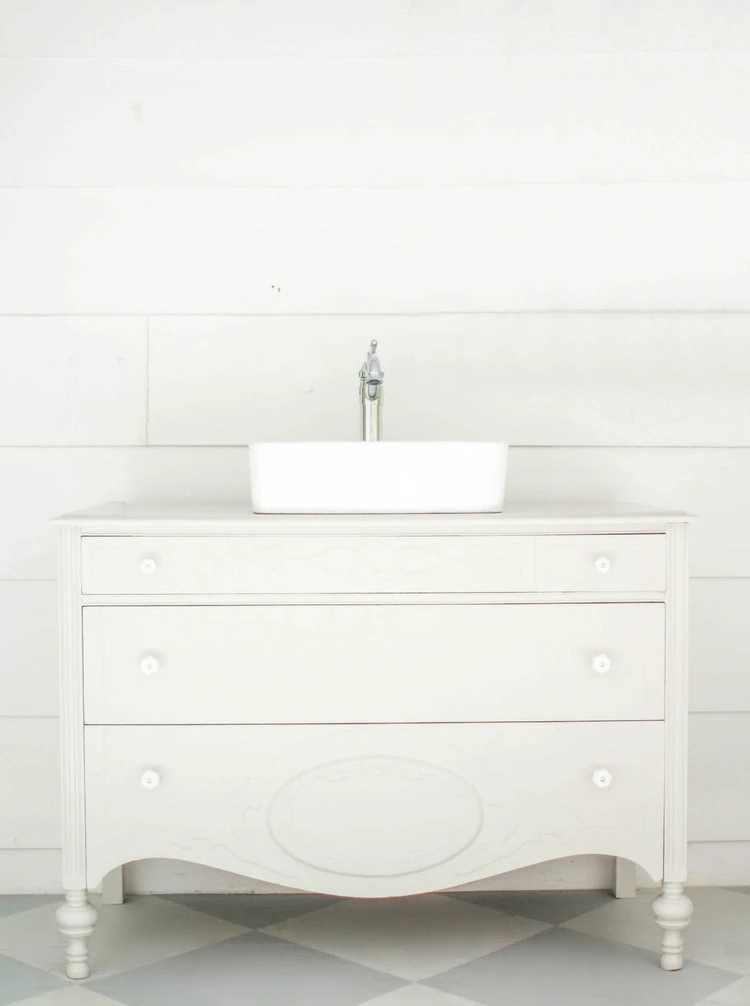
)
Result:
{"points": [[148, 565], [602, 564], [601, 663], [150, 664], [602, 778], [150, 779]]}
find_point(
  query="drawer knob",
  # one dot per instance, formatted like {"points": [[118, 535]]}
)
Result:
{"points": [[150, 779], [601, 663], [148, 565], [602, 564], [602, 778], [150, 664]]}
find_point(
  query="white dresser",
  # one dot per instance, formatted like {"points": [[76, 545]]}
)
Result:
{"points": [[372, 706]]}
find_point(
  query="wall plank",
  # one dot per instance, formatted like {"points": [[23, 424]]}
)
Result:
{"points": [[531, 379], [608, 247], [376, 122], [30, 871], [720, 645], [358, 27], [72, 381], [28, 649], [30, 791], [718, 808], [722, 863]]}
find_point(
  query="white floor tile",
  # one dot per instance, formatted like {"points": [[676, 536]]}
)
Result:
{"points": [[718, 935], [141, 931], [74, 995], [736, 994], [410, 938], [418, 995]]}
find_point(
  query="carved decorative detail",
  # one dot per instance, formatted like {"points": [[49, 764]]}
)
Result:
{"points": [[434, 815]]}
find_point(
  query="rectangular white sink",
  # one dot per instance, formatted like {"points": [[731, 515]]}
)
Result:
{"points": [[378, 477]]}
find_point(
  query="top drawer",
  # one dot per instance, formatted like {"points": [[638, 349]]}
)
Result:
{"points": [[301, 564]]}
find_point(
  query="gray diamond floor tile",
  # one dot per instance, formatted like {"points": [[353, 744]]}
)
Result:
{"points": [[20, 981], [254, 911], [562, 968], [544, 906], [253, 968], [140, 932], [12, 903]]}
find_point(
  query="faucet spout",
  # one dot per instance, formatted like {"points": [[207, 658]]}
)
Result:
{"points": [[371, 378]]}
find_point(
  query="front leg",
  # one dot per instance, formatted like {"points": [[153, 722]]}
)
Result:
{"points": [[76, 918], [673, 910]]}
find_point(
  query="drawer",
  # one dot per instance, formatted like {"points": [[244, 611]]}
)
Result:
{"points": [[277, 564], [374, 811], [373, 663], [601, 562], [306, 564]]}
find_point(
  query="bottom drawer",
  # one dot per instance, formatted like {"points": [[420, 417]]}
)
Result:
{"points": [[377, 810]]}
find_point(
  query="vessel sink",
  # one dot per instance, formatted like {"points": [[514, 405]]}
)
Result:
{"points": [[378, 477]]}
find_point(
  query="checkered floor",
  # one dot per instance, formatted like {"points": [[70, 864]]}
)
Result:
{"points": [[521, 949]]}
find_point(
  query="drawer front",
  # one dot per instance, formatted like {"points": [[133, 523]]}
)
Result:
{"points": [[306, 564], [374, 811], [361, 564], [601, 562], [373, 663]]}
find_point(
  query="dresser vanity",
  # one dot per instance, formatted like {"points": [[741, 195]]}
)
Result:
{"points": [[372, 706]]}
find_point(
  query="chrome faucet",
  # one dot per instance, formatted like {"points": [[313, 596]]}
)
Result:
{"points": [[371, 395]]}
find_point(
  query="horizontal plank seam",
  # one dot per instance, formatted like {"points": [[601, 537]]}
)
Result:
{"points": [[51, 716], [30, 848], [170, 445], [47, 579], [27, 579], [28, 716], [676, 311], [354, 56], [57, 848], [597, 183]]}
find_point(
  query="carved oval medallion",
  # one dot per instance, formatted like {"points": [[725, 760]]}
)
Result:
{"points": [[375, 817]]}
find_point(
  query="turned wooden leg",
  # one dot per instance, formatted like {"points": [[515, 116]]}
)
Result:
{"points": [[673, 910], [76, 918]]}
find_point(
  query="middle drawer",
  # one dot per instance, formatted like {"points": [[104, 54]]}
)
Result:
{"points": [[373, 663]]}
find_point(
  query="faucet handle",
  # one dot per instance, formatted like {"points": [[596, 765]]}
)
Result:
{"points": [[371, 371]]}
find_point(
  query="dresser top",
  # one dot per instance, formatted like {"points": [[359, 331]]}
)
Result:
{"points": [[237, 516]]}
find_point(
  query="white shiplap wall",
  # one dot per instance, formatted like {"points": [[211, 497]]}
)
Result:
{"points": [[207, 209]]}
